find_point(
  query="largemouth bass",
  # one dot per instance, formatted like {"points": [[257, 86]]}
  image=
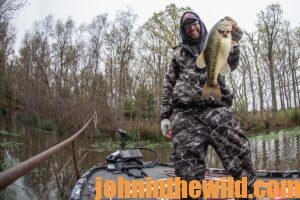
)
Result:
{"points": [[214, 57]]}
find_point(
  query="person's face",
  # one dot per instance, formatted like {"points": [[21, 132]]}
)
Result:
{"points": [[192, 29]]}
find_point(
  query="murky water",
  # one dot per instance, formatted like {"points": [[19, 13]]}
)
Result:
{"points": [[278, 150]]}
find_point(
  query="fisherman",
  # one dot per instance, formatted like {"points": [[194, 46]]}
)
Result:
{"points": [[199, 122]]}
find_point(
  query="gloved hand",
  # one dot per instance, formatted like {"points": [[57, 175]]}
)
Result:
{"points": [[165, 125], [236, 33]]}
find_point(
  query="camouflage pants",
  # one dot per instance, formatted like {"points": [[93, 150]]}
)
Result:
{"points": [[194, 130]]}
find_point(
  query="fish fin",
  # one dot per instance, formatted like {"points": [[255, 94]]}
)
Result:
{"points": [[225, 69], [211, 91], [200, 62]]}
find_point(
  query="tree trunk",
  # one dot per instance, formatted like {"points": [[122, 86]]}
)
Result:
{"points": [[272, 82]]}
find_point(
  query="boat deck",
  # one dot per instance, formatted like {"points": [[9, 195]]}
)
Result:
{"points": [[86, 185]]}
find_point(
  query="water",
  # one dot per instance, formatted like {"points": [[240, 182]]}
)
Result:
{"points": [[278, 150]]}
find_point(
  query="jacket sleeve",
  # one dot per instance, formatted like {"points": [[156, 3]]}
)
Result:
{"points": [[169, 83], [234, 57]]}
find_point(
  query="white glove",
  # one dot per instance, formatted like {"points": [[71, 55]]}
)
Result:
{"points": [[165, 125]]}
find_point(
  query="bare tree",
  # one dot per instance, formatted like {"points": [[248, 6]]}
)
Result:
{"points": [[9, 8], [246, 62], [157, 37], [119, 52], [269, 26]]}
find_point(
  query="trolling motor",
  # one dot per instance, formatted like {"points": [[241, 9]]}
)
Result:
{"points": [[129, 161], [123, 138]]}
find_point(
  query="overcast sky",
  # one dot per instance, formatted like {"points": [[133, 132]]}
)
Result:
{"points": [[243, 11]]}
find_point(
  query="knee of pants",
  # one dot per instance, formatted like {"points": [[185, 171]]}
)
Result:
{"points": [[239, 164], [187, 170], [191, 173], [189, 163]]}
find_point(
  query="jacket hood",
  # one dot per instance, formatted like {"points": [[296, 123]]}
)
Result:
{"points": [[195, 46]]}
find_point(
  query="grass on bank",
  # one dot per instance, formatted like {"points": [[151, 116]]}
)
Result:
{"points": [[38, 122], [253, 122], [9, 193], [5, 145], [150, 129], [115, 145], [149, 132], [274, 135], [5, 133], [133, 140]]}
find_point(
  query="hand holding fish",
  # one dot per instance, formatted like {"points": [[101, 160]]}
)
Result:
{"points": [[233, 22], [236, 32]]}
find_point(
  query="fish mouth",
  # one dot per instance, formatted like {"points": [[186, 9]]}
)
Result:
{"points": [[224, 33], [225, 27]]}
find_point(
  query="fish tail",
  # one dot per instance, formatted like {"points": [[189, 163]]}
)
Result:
{"points": [[211, 91]]}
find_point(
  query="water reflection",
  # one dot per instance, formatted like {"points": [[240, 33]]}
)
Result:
{"points": [[278, 153]]}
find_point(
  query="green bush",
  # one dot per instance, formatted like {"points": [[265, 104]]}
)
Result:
{"points": [[38, 122], [9, 192], [5, 133], [33, 120], [61, 130], [295, 116], [46, 125], [148, 134], [3, 112]]}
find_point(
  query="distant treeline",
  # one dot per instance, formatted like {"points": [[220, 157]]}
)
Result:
{"points": [[63, 72]]}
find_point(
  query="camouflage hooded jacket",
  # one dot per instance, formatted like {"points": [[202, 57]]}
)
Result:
{"points": [[184, 81]]}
